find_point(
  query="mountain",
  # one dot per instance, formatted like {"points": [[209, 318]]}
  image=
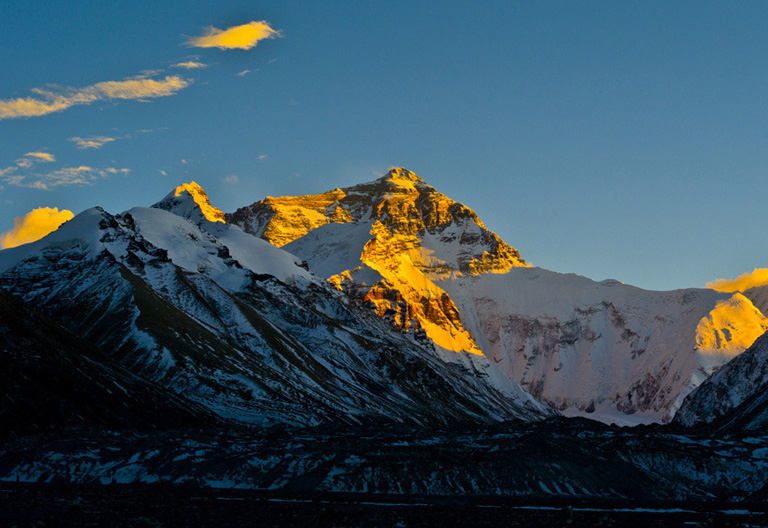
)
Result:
{"points": [[388, 243], [51, 379], [238, 326], [735, 398], [427, 264]]}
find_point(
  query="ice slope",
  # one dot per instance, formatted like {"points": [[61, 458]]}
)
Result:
{"points": [[189, 201], [169, 301], [735, 397], [604, 350]]}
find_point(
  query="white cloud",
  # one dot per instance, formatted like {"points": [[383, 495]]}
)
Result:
{"points": [[57, 99], [262, 157], [190, 65], [242, 73], [232, 179], [34, 225], [245, 36], [66, 176]]}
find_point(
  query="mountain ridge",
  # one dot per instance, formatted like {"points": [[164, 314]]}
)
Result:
{"points": [[169, 300]]}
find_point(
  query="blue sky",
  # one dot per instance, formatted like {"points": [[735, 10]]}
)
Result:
{"points": [[614, 140]]}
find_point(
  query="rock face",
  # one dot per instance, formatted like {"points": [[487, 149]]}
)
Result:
{"points": [[429, 266], [735, 397], [604, 350], [238, 326]]}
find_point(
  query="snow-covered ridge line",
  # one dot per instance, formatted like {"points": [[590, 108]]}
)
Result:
{"points": [[240, 326]]}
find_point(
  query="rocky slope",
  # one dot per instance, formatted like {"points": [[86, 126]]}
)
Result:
{"points": [[735, 397], [50, 379], [428, 265], [237, 325]]}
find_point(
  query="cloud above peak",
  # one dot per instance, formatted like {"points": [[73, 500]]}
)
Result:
{"points": [[56, 99], [745, 281], [34, 225], [245, 36]]}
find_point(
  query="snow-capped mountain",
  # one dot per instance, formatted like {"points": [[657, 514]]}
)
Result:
{"points": [[238, 325], [734, 397], [427, 264]]}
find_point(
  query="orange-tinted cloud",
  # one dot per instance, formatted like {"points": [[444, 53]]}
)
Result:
{"points": [[34, 225], [48, 101], [41, 156], [244, 37], [758, 277]]}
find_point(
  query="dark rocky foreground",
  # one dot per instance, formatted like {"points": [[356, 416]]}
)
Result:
{"points": [[523, 475], [172, 506]]}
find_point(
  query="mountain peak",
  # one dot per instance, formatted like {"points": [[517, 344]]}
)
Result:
{"points": [[401, 176], [190, 201]]}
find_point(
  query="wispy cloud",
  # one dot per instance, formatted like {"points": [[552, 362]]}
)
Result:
{"points": [[244, 37], [242, 73], [64, 177], [93, 142], [190, 65], [34, 225], [745, 281], [41, 156], [262, 157], [56, 99], [232, 179], [30, 158]]}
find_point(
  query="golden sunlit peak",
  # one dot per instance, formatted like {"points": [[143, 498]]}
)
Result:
{"points": [[211, 213], [401, 175]]}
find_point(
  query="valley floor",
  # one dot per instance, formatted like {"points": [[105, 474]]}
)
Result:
{"points": [[544, 474], [174, 506]]}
